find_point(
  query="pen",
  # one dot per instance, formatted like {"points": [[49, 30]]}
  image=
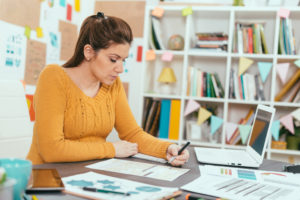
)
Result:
{"points": [[179, 152], [104, 191]]}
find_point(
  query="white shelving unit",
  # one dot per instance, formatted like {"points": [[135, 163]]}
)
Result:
{"points": [[218, 19]]}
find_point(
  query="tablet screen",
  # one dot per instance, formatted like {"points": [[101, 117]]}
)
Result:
{"points": [[46, 179]]}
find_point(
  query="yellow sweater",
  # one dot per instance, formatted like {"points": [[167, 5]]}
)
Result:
{"points": [[71, 126]]}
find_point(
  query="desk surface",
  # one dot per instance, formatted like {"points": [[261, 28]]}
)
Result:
{"points": [[68, 169]]}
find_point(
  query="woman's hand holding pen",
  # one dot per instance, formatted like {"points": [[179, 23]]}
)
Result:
{"points": [[179, 160], [125, 149]]}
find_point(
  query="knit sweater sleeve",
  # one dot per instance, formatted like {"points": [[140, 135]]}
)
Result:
{"points": [[50, 103], [129, 130]]}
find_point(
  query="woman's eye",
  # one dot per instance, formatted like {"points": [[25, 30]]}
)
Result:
{"points": [[113, 61]]}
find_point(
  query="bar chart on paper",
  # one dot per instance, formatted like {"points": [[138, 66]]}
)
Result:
{"points": [[237, 183]]}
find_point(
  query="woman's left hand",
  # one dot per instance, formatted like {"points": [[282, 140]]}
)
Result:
{"points": [[180, 159]]}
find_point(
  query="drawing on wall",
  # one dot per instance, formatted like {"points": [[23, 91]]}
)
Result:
{"points": [[53, 50], [12, 51]]}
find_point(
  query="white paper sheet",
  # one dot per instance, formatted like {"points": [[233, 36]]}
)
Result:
{"points": [[166, 173], [247, 184], [137, 190]]}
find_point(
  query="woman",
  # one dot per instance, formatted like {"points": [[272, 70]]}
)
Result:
{"points": [[78, 105]]}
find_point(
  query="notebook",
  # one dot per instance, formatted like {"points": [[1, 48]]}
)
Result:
{"points": [[253, 155]]}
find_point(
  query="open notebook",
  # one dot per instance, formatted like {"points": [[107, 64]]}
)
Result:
{"points": [[253, 155]]}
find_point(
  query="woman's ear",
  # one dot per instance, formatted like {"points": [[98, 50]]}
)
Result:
{"points": [[88, 52]]}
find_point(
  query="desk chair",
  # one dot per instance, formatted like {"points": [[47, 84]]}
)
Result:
{"points": [[15, 126]]}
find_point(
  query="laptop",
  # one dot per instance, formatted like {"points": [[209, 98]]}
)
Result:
{"points": [[253, 155]]}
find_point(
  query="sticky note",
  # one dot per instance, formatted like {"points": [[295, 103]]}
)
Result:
{"points": [[157, 12], [69, 12], [27, 32], [284, 13], [62, 3], [39, 32], [77, 5], [150, 55], [167, 56], [187, 11], [139, 53]]}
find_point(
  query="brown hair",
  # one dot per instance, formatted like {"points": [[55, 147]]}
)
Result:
{"points": [[100, 32]]}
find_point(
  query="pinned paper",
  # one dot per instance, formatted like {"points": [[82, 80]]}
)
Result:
{"points": [[215, 123], [191, 107], [62, 3], [284, 13], [39, 32], [244, 132], [230, 128], [203, 115], [287, 122], [27, 32], [139, 53], [69, 12], [157, 12], [244, 64], [77, 5], [296, 114], [150, 55], [187, 11], [282, 70], [167, 56], [264, 69], [51, 3], [297, 63], [275, 129]]}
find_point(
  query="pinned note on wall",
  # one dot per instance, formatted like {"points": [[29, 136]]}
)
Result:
{"points": [[62, 3], [187, 11], [77, 5], [158, 12], [27, 32], [39, 32], [69, 12], [167, 56], [284, 13], [150, 55]]}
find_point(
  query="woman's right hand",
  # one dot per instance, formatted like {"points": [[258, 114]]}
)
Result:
{"points": [[125, 149]]}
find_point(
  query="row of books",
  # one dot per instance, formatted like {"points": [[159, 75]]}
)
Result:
{"points": [[247, 86], [247, 120], [216, 41], [250, 38], [161, 118], [287, 40], [203, 84]]}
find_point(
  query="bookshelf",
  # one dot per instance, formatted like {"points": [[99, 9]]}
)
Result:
{"points": [[228, 108]]}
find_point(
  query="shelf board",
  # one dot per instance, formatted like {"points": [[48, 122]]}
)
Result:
{"points": [[237, 101], [162, 96], [286, 104], [286, 151], [161, 52], [261, 56], [288, 57], [206, 53], [218, 100], [206, 144]]}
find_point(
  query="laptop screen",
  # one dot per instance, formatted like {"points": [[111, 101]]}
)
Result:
{"points": [[260, 130]]}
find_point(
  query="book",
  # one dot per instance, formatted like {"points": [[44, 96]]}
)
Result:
{"points": [[155, 124], [288, 85], [219, 84], [151, 115], [215, 87], [154, 37], [250, 40], [174, 120], [263, 39], [147, 106], [295, 92], [164, 118], [158, 33]]}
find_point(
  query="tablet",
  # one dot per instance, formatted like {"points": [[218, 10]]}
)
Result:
{"points": [[45, 180]]}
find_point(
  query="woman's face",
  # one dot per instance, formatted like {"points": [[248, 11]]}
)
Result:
{"points": [[108, 63]]}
